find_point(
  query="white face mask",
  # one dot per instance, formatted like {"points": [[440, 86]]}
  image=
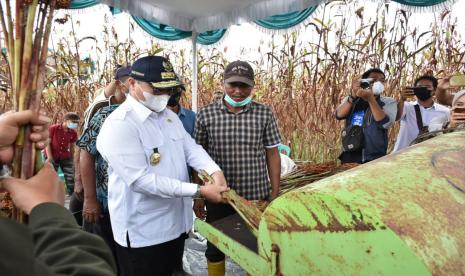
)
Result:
{"points": [[377, 88], [156, 103]]}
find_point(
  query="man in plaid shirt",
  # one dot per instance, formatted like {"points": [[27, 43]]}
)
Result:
{"points": [[242, 137]]}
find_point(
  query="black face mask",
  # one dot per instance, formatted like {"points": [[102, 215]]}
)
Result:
{"points": [[174, 99], [422, 94]]}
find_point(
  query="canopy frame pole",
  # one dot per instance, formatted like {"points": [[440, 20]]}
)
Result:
{"points": [[194, 73]]}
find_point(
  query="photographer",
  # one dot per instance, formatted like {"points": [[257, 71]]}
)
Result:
{"points": [[415, 117], [368, 115]]}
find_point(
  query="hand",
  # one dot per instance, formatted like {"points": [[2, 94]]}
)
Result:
{"points": [[79, 190], [199, 208], [406, 92], [273, 195], [91, 210], [9, 129], [444, 84], [457, 119], [355, 87], [365, 94], [213, 192], [41, 188], [359, 92], [219, 179], [50, 160]]}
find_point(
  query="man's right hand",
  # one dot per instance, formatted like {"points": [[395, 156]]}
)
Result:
{"points": [[355, 87], [91, 210], [212, 193], [406, 93]]}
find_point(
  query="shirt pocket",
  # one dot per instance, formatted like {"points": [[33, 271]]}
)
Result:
{"points": [[153, 204], [250, 134], [151, 145]]}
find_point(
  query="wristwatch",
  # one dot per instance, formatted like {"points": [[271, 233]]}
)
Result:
{"points": [[351, 99], [197, 193]]}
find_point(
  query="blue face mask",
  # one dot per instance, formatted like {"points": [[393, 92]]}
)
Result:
{"points": [[233, 103], [72, 125]]}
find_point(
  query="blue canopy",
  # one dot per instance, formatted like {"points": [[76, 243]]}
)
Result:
{"points": [[299, 12]]}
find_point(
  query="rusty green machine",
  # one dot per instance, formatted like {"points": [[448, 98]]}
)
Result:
{"points": [[403, 214]]}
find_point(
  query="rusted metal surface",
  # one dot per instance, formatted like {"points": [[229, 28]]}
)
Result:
{"points": [[302, 216], [416, 195], [451, 166], [403, 214]]}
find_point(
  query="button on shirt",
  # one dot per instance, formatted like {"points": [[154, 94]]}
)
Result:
{"points": [[60, 139], [149, 204], [238, 142], [408, 122]]}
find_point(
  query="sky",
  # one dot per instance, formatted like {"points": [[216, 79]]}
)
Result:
{"points": [[241, 40]]}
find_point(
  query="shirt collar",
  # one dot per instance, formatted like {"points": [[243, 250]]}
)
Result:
{"points": [[434, 106], [141, 110], [182, 111]]}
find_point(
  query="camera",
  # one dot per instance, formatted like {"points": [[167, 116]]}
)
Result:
{"points": [[366, 83], [459, 109]]}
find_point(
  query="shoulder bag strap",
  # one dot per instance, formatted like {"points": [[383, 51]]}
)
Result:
{"points": [[419, 119]]}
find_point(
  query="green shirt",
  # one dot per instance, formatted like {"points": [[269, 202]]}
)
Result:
{"points": [[52, 244]]}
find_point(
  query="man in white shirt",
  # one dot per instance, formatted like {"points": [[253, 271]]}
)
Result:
{"points": [[148, 151], [416, 116]]}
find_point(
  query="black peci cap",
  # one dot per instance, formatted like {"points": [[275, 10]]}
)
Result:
{"points": [[155, 70]]}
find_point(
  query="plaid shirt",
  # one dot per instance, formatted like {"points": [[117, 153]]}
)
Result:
{"points": [[238, 142]]}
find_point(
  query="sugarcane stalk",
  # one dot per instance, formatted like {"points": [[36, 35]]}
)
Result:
{"points": [[18, 52], [27, 45], [4, 27], [10, 47], [46, 36]]}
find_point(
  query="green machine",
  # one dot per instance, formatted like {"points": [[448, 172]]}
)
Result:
{"points": [[403, 214]]}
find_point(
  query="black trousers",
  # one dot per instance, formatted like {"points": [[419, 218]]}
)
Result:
{"points": [[103, 230], [156, 260], [75, 206], [214, 213]]}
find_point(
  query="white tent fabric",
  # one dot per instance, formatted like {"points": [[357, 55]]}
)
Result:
{"points": [[206, 15]]}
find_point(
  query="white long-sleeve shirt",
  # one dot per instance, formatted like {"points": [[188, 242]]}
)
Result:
{"points": [[152, 204], [408, 122]]}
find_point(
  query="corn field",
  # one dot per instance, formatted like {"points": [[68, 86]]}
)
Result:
{"points": [[302, 81]]}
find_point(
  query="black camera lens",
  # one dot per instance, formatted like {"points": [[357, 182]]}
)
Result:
{"points": [[364, 84]]}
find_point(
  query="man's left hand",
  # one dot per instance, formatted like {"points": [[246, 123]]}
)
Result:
{"points": [[219, 179]]}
